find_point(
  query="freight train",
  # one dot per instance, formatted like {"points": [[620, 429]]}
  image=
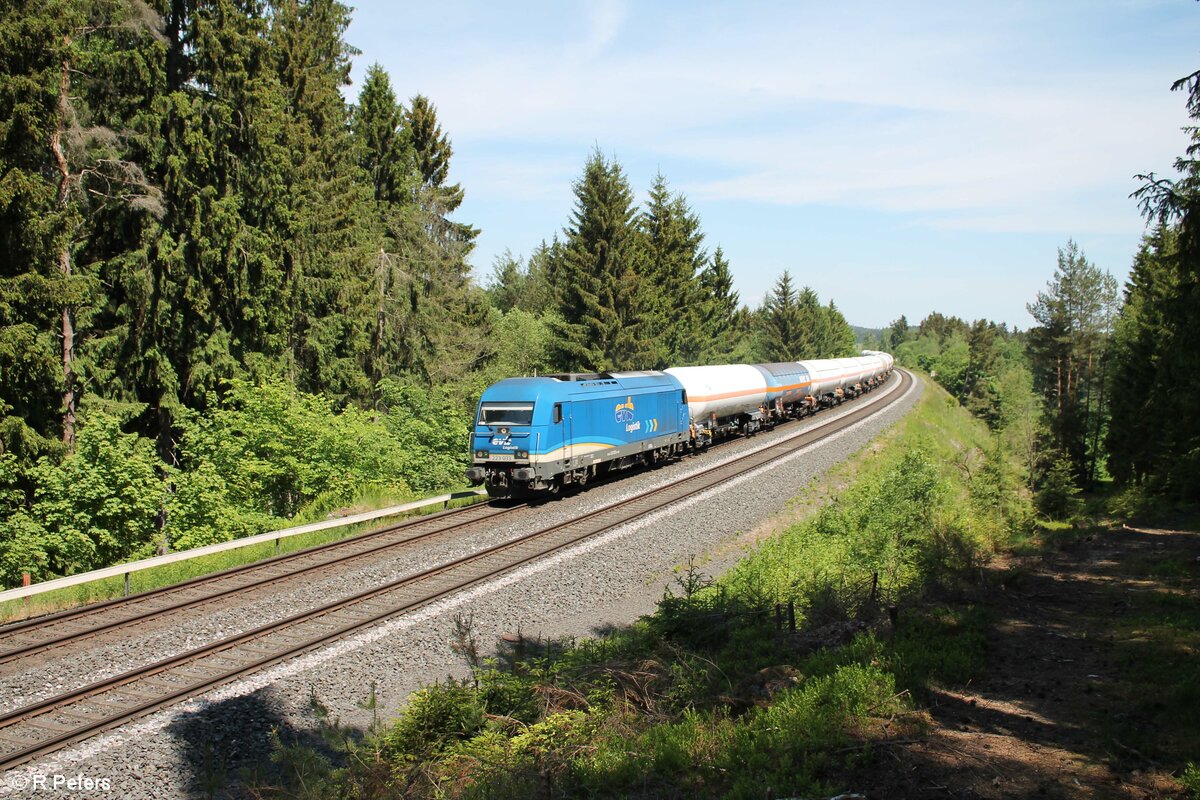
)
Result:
{"points": [[539, 435]]}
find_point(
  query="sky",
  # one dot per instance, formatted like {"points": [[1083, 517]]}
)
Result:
{"points": [[899, 158]]}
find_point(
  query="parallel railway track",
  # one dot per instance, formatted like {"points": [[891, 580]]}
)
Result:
{"points": [[48, 725], [65, 629]]}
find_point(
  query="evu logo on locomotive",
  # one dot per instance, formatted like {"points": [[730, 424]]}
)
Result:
{"points": [[624, 415]]}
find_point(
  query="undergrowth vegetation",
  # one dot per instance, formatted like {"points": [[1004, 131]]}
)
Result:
{"points": [[711, 695]]}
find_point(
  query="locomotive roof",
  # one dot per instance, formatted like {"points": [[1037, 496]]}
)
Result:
{"points": [[556, 387]]}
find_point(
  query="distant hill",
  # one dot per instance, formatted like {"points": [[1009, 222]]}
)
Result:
{"points": [[867, 335]]}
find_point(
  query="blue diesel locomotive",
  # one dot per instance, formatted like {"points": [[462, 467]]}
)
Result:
{"points": [[535, 435]]}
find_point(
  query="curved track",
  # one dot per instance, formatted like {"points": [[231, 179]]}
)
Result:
{"points": [[45, 726], [68, 628]]}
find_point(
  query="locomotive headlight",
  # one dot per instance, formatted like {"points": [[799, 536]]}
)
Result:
{"points": [[522, 454], [481, 454]]}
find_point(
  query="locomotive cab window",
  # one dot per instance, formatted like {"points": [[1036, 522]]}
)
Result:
{"points": [[558, 412], [506, 414]]}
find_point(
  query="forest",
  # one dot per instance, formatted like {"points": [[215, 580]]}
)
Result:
{"points": [[230, 298]]}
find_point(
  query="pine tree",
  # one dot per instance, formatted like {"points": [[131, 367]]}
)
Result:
{"points": [[597, 275], [1067, 348]]}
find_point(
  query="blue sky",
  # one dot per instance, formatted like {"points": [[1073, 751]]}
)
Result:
{"points": [[899, 158]]}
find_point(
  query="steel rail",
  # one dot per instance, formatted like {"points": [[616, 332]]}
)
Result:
{"points": [[444, 522], [46, 726]]}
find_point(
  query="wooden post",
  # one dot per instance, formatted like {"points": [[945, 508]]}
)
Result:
{"points": [[25, 579], [127, 584]]}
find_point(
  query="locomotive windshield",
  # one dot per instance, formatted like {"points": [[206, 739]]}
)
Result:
{"points": [[506, 414]]}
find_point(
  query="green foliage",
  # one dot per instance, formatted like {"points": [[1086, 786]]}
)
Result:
{"points": [[720, 332], [279, 450], [880, 527], [597, 276], [942, 646], [1152, 437], [435, 717], [1191, 780], [100, 505], [428, 428], [1067, 353], [671, 236], [1058, 493]]}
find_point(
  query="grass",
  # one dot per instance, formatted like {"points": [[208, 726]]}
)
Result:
{"points": [[169, 574]]}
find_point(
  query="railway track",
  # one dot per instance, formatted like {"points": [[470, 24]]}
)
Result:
{"points": [[66, 629], [48, 725]]}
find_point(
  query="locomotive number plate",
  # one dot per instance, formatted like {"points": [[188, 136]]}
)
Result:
{"points": [[501, 456]]}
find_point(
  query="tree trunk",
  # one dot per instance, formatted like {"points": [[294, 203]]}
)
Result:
{"points": [[64, 253]]}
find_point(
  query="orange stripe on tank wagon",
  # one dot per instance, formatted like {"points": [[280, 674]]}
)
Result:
{"points": [[742, 393]]}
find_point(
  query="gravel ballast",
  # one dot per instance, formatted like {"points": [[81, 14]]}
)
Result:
{"points": [[602, 583]]}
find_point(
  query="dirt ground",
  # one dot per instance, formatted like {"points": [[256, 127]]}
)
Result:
{"points": [[1058, 712]]}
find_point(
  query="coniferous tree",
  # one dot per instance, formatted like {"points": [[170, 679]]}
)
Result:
{"points": [[896, 333], [66, 95], [1067, 350], [814, 334], [841, 342], [597, 275], [384, 148], [329, 237], [674, 256], [520, 285], [781, 322], [429, 320], [1164, 297], [719, 310]]}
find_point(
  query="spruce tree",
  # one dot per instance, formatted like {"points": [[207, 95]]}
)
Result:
{"points": [[841, 341], [66, 95], [597, 275], [781, 322], [382, 142], [719, 306], [672, 240], [1171, 302], [814, 332], [331, 234], [1137, 439]]}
